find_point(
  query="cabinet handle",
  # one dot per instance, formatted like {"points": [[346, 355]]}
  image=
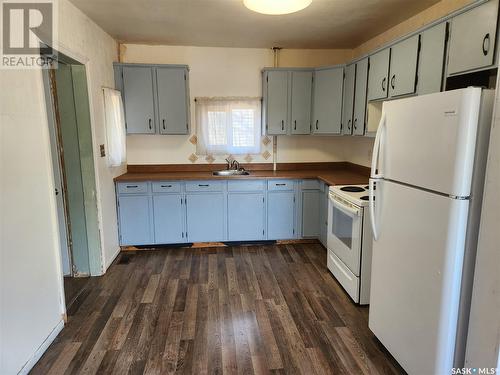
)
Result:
{"points": [[317, 124], [282, 125], [393, 79], [280, 184], [164, 127], [166, 186], [486, 44], [150, 124], [349, 125], [295, 124], [383, 84], [132, 186], [355, 122], [203, 185]]}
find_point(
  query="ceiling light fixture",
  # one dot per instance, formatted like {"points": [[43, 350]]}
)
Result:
{"points": [[275, 7]]}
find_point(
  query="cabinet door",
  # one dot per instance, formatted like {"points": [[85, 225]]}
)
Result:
{"points": [[301, 102], [172, 100], [168, 217], [245, 218], [360, 97], [404, 60], [347, 110], [472, 43], [276, 102], [138, 99], [310, 213], [135, 220], [327, 101], [281, 215], [205, 217], [378, 75], [431, 59]]}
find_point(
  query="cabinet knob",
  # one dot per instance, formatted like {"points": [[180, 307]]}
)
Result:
{"points": [[486, 44]]}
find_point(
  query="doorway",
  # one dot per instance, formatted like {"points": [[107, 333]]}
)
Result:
{"points": [[68, 112]]}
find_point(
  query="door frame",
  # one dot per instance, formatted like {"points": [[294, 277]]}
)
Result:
{"points": [[93, 215]]}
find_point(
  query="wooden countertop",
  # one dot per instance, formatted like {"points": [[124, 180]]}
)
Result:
{"points": [[331, 173]]}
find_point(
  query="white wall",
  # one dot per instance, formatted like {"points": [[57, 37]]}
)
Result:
{"points": [[218, 71], [31, 300]]}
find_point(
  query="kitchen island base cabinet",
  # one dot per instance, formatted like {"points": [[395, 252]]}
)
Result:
{"points": [[281, 215], [169, 218], [246, 216], [205, 217], [135, 220]]}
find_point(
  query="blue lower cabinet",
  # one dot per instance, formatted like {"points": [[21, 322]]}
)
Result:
{"points": [[310, 213], [169, 218], [246, 216], [206, 217], [136, 225], [281, 215]]}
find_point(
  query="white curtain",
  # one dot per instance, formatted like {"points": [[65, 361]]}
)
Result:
{"points": [[228, 126], [115, 128]]}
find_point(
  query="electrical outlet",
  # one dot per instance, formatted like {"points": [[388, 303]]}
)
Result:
{"points": [[103, 152]]}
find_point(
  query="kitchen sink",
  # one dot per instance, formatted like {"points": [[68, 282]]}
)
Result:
{"points": [[231, 172]]}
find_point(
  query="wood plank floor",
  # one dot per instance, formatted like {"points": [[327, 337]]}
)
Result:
{"points": [[234, 310]]}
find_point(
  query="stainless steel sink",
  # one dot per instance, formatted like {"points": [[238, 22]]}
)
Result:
{"points": [[231, 172]]}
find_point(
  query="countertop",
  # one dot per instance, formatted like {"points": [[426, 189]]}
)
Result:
{"points": [[341, 174]]}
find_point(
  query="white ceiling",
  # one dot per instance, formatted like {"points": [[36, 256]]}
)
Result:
{"points": [[227, 23]]}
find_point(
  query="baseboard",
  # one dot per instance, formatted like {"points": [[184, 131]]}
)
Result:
{"points": [[39, 352]]}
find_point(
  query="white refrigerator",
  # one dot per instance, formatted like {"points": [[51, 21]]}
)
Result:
{"points": [[426, 187]]}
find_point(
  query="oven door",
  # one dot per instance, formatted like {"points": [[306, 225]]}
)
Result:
{"points": [[344, 232]]}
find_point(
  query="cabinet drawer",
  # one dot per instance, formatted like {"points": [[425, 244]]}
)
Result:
{"points": [[311, 185], [280, 185], [133, 187], [166, 187], [204, 186], [255, 185]]}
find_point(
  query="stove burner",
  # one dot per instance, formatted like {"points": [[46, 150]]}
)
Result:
{"points": [[352, 189], [365, 198]]}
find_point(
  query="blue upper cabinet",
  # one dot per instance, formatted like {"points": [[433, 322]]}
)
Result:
{"points": [[138, 100], [169, 218], [276, 102], [327, 100], [156, 97], [173, 100]]}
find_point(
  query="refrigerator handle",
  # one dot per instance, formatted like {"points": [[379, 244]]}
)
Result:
{"points": [[372, 209], [376, 148]]}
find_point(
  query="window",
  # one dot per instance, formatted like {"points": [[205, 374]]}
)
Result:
{"points": [[228, 125]]}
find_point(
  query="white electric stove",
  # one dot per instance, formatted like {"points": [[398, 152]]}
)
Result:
{"points": [[350, 240]]}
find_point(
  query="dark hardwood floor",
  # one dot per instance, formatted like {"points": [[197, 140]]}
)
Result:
{"points": [[241, 310]]}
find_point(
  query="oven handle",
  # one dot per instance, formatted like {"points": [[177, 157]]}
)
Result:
{"points": [[347, 210]]}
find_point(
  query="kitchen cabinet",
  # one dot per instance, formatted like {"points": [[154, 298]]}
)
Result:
{"points": [[301, 98], [431, 59], [246, 216], [205, 214], [135, 219], [472, 39], [138, 100], [378, 75], [359, 120], [403, 67], [276, 113], [155, 97], [169, 218], [173, 102], [310, 213], [348, 99], [327, 100], [280, 215]]}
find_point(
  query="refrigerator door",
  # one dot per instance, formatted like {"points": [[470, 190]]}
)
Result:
{"points": [[429, 141], [416, 275]]}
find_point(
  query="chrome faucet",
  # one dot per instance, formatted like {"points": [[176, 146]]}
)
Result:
{"points": [[235, 165]]}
